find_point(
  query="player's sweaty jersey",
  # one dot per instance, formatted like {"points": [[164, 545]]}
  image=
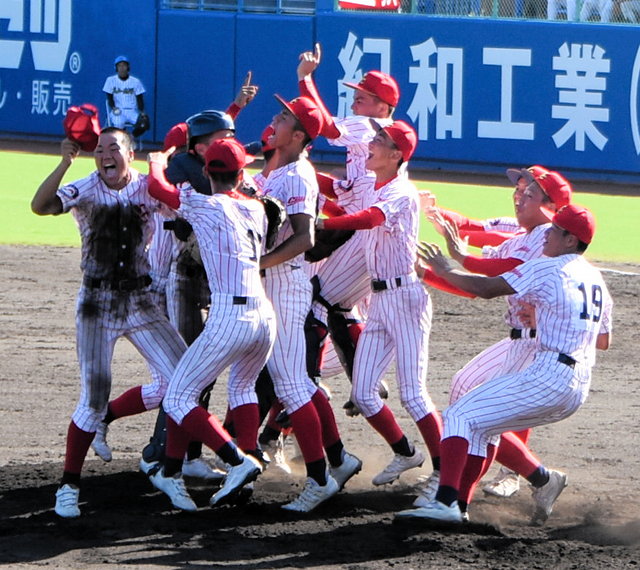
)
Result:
{"points": [[295, 185], [572, 304], [115, 225], [390, 249], [230, 232], [526, 247]]}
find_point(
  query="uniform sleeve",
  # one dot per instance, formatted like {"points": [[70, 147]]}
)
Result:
{"points": [[139, 88], [108, 85], [353, 131], [606, 322], [525, 278], [301, 192]]}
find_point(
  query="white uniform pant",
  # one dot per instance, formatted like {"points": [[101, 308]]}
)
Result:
{"points": [[236, 335], [398, 324], [290, 293], [545, 392], [102, 317], [126, 117]]}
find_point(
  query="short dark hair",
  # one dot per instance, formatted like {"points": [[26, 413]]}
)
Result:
{"points": [[227, 179], [129, 143], [581, 247], [298, 127]]}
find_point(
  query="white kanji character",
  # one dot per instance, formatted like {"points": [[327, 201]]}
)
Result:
{"points": [[581, 92]]}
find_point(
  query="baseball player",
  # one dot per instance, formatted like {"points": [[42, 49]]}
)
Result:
{"points": [[114, 214], [343, 278], [287, 285], [547, 191], [573, 313], [125, 95], [239, 330], [399, 320]]}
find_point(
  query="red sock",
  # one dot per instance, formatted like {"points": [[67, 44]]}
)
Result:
{"points": [[322, 349], [246, 421], [128, 404], [276, 408], [177, 440], [354, 332], [306, 425], [384, 422], [78, 442], [523, 435], [474, 471], [204, 427], [515, 455], [431, 430], [453, 458], [330, 433]]}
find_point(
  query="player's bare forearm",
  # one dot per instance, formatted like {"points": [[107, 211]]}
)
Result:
{"points": [[603, 342], [45, 201], [302, 239], [478, 285]]}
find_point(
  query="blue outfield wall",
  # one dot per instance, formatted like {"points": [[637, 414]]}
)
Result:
{"points": [[482, 94]]}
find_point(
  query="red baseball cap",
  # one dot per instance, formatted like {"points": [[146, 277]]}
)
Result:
{"points": [[402, 135], [515, 174], [383, 86], [227, 155], [553, 184], [81, 125], [577, 220], [307, 112], [177, 136]]}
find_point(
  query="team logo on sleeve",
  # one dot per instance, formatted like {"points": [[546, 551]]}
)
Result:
{"points": [[69, 191], [295, 200]]}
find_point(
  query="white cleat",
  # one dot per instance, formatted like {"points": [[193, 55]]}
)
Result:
{"points": [[351, 466], [199, 468], [67, 498], [275, 451], [429, 490], [99, 443], [505, 484], [175, 489], [545, 497], [312, 495], [237, 477], [147, 466], [434, 510], [399, 465]]}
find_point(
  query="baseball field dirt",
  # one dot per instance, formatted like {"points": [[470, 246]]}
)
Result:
{"points": [[126, 523]]}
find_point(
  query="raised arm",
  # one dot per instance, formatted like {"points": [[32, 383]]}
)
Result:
{"points": [[159, 188], [45, 201]]}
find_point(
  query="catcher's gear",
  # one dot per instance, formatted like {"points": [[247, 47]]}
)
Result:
{"points": [[327, 241], [143, 124], [180, 227], [207, 122], [81, 125], [276, 216]]}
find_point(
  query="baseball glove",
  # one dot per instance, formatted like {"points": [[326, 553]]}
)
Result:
{"points": [[276, 215], [327, 241], [143, 124]]}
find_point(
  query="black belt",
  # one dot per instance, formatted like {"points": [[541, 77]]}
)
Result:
{"points": [[382, 285], [515, 334], [239, 300], [570, 362], [118, 284]]}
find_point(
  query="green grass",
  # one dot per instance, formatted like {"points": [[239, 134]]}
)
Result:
{"points": [[616, 240]]}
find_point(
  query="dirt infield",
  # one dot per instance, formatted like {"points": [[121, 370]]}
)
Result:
{"points": [[127, 524]]}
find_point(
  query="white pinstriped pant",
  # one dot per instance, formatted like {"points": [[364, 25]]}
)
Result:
{"points": [[240, 336], [545, 392], [398, 324], [102, 317], [290, 292], [505, 357]]}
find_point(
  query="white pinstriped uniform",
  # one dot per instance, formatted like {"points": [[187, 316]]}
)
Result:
{"points": [[124, 96], [507, 356], [230, 232], [573, 306], [399, 320], [159, 254], [504, 224], [288, 287], [116, 227]]}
